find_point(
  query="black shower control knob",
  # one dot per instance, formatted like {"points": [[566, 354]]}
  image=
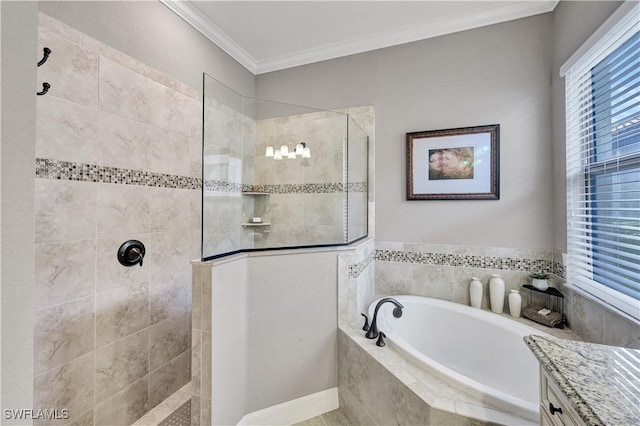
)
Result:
{"points": [[131, 253]]}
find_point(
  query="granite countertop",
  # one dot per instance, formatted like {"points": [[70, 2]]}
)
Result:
{"points": [[601, 382]]}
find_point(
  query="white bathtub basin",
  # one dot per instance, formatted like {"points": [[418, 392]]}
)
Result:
{"points": [[478, 352]]}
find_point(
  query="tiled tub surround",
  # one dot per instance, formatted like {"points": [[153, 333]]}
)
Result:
{"points": [[118, 158], [444, 272], [377, 386], [405, 394]]}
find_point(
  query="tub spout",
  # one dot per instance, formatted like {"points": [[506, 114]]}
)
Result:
{"points": [[372, 333]]}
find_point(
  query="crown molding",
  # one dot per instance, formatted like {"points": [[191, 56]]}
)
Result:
{"points": [[199, 21]]}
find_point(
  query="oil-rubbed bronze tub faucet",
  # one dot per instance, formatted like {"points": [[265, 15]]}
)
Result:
{"points": [[372, 333]]}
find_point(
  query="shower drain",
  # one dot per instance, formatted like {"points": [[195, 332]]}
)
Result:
{"points": [[180, 417]]}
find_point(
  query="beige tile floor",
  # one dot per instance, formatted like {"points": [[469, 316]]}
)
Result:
{"points": [[168, 406], [332, 418]]}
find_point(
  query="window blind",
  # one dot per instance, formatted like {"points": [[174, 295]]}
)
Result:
{"points": [[603, 167]]}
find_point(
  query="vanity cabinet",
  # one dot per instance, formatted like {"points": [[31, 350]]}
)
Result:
{"points": [[555, 408]]}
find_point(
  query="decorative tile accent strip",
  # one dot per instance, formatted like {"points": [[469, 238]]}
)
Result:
{"points": [[221, 186], [305, 188], [472, 261], [559, 269], [67, 170], [354, 271], [357, 187]]}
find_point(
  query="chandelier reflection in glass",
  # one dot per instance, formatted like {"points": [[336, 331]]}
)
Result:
{"points": [[301, 150]]}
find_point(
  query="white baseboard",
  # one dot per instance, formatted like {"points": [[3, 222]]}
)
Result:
{"points": [[294, 411]]}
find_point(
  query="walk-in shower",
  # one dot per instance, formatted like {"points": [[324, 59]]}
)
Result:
{"points": [[277, 175]]}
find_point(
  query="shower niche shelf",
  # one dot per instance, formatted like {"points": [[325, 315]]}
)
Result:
{"points": [[255, 205]]}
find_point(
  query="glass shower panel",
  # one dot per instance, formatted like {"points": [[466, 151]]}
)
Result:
{"points": [[300, 196], [277, 175], [221, 169], [357, 181]]}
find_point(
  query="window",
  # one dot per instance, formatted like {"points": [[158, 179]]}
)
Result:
{"points": [[603, 165]]}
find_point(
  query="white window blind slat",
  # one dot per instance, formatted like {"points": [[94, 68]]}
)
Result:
{"points": [[603, 163]]}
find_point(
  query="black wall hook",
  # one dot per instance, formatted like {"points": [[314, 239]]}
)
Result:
{"points": [[47, 52], [45, 88]]}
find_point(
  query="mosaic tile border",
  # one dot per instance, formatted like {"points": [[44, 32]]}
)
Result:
{"points": [[67, 170], [306, 188], [354, 271], [221, 186], [472, 261]]}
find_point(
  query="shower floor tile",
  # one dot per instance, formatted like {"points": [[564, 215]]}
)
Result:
{"points": [[180, 417]]}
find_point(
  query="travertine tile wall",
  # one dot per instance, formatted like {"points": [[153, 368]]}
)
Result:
{"points": [[356, 284], [300, 215], [118, 157], [444, 271]]}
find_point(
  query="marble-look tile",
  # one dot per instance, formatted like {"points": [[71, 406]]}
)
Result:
{"points": [[195, 411], [110, 274], [120, 364], [195, 244], [313, 421], [169, 378], [59, 28], [170, 154], [393, 278], [125, 143], [195, 158], [196, 362], [196, 296], [352, 409], [386, 399], [195, 208], [64, 271], [84, 419], [69, 386], [205, 411], [63, 332], [170, 209], [196, 122], [122, 210], [335, 418], [432, 281], [71, 70], [206, 377], [168, 339], [64, 210], [620, 332], [124, 407], [168, 257], [121, 312], [132, 95], [169, 300], [322, 209], [588, 320], [206, 306], [66, 131]]}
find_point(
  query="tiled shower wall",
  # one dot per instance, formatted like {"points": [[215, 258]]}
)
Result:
{"points": [[118, 158], [300, 213]]}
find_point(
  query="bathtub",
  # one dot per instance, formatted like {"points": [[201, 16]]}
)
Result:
{"points": [[478, 352]]}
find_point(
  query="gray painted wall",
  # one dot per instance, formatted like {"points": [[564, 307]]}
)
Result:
{"points": [[573, 24], [496, 74], [19, 58], [151, 33]]}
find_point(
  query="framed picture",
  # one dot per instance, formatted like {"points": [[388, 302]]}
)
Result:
{"points": [[454, 164]]}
